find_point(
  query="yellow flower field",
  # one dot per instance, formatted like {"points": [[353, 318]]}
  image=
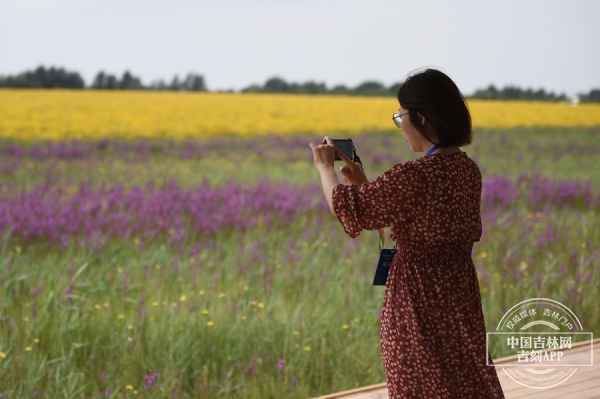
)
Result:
{"points": [[87, 114]]}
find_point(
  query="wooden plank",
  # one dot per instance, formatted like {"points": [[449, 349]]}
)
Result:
{"points": [[379, 394], [592, 393], [509, 385], [566, 387], [514, 389], [582, 373], [573, 390], [355, 391], [584, 384]]}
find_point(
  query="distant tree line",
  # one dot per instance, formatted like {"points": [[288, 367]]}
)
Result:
{"points": [[374, 88], [278, 85], [103, 81], [592, 97], [44, 78], [516, 93], [52, 77]]}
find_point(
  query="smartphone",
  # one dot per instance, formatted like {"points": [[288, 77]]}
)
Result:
{"points": [[345, 146]]}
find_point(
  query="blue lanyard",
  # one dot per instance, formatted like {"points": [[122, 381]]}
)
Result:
{"points": [[435, 147]]}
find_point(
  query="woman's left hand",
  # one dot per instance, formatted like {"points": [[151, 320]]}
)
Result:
{"points": [[324, 154]]}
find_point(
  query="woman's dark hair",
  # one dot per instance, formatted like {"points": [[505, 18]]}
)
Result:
{"points": [[434, 95]]}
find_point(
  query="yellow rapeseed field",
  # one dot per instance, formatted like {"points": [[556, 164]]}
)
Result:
{"points": [[86, 114]]}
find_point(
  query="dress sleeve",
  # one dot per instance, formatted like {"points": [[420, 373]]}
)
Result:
{"points": [[389, 200]]}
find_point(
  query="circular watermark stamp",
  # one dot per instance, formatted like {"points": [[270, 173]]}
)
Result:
{"points": [[541, 336]]}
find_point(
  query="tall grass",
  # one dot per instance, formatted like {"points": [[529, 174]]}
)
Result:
{"points": [[279, 308]]}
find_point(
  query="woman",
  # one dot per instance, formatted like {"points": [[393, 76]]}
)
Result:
{"points": [[433, 336]]}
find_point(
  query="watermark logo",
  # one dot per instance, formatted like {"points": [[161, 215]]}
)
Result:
{"points": [[546, 340]]}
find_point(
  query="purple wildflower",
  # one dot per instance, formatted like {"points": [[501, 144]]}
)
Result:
{"points": [[588, 277], [251, 370], [538, 280], [151, 379], [497, 190]]}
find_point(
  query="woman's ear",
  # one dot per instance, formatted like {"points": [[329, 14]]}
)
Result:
{"points": [[422, 119]]}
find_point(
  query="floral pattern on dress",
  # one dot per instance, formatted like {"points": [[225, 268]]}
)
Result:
{"points": [[433, 336]]}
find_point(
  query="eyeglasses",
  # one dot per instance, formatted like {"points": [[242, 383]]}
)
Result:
{"points": [[398, 119]]}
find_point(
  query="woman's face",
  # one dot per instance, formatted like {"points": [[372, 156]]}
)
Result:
{"points": [[412, 135]]}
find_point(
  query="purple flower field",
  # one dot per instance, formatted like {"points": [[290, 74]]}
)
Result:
{"points": [[58, 211], [90, 216]]}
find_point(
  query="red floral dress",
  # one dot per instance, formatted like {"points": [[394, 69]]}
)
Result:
{"points": [[433, 336]]}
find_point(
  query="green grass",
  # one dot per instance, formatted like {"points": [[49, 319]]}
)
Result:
{"points": [[269, 293]]}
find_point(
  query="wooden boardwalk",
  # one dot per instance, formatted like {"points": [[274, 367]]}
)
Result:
{"points": [[584, 384]]}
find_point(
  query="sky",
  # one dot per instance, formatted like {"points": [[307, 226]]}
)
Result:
{"points": [[234, 43]]}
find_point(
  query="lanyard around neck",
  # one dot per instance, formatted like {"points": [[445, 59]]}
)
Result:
{"points": [[435, 147]]}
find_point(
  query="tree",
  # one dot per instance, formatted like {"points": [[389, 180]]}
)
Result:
{"points": [[393, 89], [130, 82], [486, 94], [592, 96], [340, 89], [175, 84], [98, 82], [111, 82], [104, 81], [370, 88], [253, 88], [159, 85], [276, 85], [45, 78], [312, 87], [194, 82]]}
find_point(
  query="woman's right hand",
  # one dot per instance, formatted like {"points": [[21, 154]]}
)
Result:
{"points": [[352, 171]]}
